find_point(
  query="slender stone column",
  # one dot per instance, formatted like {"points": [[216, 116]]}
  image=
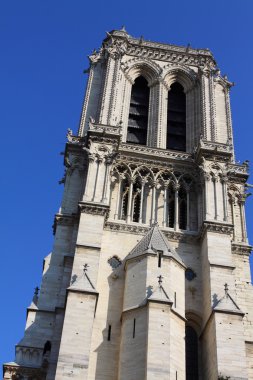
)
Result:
{"points": [[153, 217], [188, 208], [176, 219], [143, 183], [224, 196], [165, 212], [232, 200], [207, 178], [129, 203], [215, 180], [242, 214], [105, 187], [116, 215], [99, 160], [87, 186]]}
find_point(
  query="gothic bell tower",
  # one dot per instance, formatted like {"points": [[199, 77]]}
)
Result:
{"points": [[149, 273]]}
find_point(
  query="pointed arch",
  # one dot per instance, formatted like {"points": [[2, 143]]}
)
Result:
{"points": [[181, 74], [138, 112], [141, 67]]}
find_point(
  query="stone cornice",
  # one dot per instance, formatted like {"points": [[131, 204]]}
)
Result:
{"points": [[211, 149], [241, 249], [102, 130], [122, 43], [155, 153], [217, 227], [94, 208], [140, 229]]}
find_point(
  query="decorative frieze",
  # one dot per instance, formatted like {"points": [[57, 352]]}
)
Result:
{"points": [[139, 229], [241, 249], [153, 152], [220, 228], [93, 208]]}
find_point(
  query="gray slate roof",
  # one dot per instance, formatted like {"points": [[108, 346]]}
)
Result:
{"points": [[154, 241]]}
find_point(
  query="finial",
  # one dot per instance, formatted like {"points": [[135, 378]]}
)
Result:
{"points": [[141, 40], [85, 268], [35, 295], [36, 291], [226, 288], [160, 280], [123, 28]]}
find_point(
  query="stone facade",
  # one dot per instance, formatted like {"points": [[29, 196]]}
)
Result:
{"points": [[146, 237]]}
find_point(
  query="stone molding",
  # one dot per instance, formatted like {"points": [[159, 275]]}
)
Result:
{"points": [[217, 227], [241, 249], [94, 208], [139, 229], [104, 129], [64, 220], [155, 152]]}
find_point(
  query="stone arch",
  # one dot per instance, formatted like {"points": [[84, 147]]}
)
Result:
{"points": [[181, 74], [142, 67]]}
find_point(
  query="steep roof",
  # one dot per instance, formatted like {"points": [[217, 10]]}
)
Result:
{"points": [[83, 284], [160, 295], [227, 304], [152, 242]]}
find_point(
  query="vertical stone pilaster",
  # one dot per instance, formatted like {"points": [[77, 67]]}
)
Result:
{"points": [[162, 116], [152, 133], [107, 91]]}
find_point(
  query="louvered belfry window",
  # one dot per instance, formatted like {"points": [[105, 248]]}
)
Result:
{"points": [[176, 118], [138, 113]]}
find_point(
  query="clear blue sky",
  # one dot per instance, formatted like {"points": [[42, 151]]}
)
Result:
{"points": [[43, 47]]}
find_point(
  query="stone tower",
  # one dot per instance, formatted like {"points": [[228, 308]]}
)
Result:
{"points": [[149, 274]]}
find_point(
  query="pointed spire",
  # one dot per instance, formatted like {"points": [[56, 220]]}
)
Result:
{"points": [[159, 294], [83, 283], [153, 242], [226, 303]]}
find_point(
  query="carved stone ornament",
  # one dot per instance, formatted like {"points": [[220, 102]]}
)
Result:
{"points": [[94, 208], [158, 153], [241, 249], [114, 46], [73, 139], [16, 372], [142, 230], [220, 228]]}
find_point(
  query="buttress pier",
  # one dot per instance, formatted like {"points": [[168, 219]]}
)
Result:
{"points": [[149, 275]]}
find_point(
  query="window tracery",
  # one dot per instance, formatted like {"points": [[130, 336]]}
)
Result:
{"points": [[147, 195]]}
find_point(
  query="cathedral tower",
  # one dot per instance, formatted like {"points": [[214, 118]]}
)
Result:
{"points": [[149, 273]]}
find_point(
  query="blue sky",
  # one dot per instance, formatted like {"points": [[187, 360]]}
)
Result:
{"points": [[44, 45]]}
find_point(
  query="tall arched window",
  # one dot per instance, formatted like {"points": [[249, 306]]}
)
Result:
{"points": [[138, 113], [176, 118], [191, 353]]}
